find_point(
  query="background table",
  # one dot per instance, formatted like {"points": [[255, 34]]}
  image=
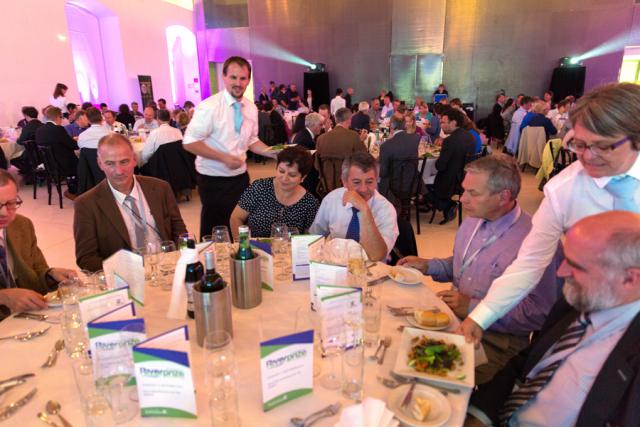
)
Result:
{"points": [[58, 382]]}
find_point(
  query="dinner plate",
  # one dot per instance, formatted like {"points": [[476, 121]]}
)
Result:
{"points": [[412, 321], [462, 376], [53, 299], [406, 275], [440, 407], [278, 149]]}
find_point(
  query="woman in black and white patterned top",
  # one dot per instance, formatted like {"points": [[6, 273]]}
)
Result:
{"points": [[279, 199]]}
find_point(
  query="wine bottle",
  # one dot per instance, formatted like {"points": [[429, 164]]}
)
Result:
{"points": [[212, 281], [193, 277], [244, 250]]}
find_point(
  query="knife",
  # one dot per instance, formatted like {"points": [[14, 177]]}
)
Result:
{"points": [[12, 408], [379, 280], [33, 316], [4, 383]]}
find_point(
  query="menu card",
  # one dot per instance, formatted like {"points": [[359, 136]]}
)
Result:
{"points": [[338, 304], [325, 274], [129, 267], [163, 375], [286, 368], [96, 305], [113, 332], [300, 254]]}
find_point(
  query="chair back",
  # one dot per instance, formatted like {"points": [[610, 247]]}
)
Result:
{"points": [[404, 180], [50, 164], [89, 173], [171, 163], [405, 243], [31, 151], [532, 142], [330, 174]]}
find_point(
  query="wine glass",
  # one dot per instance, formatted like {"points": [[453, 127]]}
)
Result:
{"points": [[357, 270], [220, 378], [149, 253], [333, 346], [168, 262], [279, 239], [184, 237]]}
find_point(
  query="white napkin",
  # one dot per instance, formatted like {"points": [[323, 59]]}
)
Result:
{"points": [[178, 303], [370, 413]]}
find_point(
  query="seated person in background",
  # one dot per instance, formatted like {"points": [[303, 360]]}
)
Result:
{"points": [[329, 122], [79, 125], [513, 138], [456, 148], [125, 117], [280, 199], [357, 211], [473, 130], [360, 120], [90, 137], [410, 125], [182, 121], [312, 127], [22, 264], [387, 107], [104, 107], [375, 112], [583, 368], [135, 111], [113, 125], [401, 145], [486, 243], [148, 121], [63, 147], [163, 134], [559, 115], [123, 211], [32, 124], [424, 116], [537, 118]]}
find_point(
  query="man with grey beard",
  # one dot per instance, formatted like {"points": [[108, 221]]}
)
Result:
{"points": [[583, 368]]}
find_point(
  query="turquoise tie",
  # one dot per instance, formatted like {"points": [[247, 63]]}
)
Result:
{"points": [[623, 191], [237, 116]]}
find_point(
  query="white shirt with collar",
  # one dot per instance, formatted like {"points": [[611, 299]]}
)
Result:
{"points": [[141, 123], [116, 127], [213, 122], [90, 137], [333, 217], [337, 103], [164, 134], [139, 199], [569, 196], [3, 243]]}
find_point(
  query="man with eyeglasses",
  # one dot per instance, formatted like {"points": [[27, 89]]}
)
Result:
{"points": [[606, 177], [24, 274]]}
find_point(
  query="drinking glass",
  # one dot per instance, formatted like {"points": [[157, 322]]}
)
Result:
{"points": [[220, 379], [95, 406], [222, 249], [183, 238], [293, 231], [353, 357], [356, 268], [332, 346], [73, 332], [279, 241], [371, 311], [150, 254], [168, 260], [306, 320], [206, 239]]}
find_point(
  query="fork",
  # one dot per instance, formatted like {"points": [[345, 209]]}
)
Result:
{"points": [[310, 419], [26, 336], [53, 356], [386, 344]]}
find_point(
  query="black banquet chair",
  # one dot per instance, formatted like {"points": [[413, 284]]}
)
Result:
{"points": [[89, 173], [53, 176], [172, 163], [405, 185]]}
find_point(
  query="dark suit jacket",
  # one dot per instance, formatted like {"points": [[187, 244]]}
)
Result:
{"points": [[100, 230], [613, 397], [401, 146], [29, 131], [62, 147], [29, 266], [450, 165], [336, 145], [304, 139], [359, 121]]}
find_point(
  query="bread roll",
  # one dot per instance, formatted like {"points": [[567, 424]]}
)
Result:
{"points": [[420, 408], [442, 319], [430, 318]]}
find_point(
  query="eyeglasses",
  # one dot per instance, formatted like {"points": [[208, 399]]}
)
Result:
{"points": [[12, 205], [597, 149]]}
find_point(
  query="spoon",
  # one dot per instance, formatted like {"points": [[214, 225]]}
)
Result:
{"points": [[44, 417], [53, 408]]}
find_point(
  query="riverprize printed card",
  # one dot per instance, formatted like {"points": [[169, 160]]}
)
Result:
{"points": [[286, 368], [93, 306], [129, 267], [300, 254], [338, 304], [163, 375]]}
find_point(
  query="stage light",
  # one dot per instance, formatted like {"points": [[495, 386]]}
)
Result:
{"points": [[574, 60], [312, 67], [264, 48]]}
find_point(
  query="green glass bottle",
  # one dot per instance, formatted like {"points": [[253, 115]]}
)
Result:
{"points": [[193, 276], [212, 281], [244, 250]]}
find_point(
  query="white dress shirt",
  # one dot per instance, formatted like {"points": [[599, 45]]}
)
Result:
{"points": [[90, 137], [558, 119], [337, 103], [213, 122], [60, 102], [569, 196], [139, 199], [117, 127], [141, 123], [162, 135], [333, 217]]}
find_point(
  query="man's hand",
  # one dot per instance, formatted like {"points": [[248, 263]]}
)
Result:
{"points": [[232, 162], [457, 301], [471, 331], [355, 199], [60, 274], [415, 262], [18, 299]]}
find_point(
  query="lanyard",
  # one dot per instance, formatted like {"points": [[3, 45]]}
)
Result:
{"points": [[466, 262]]}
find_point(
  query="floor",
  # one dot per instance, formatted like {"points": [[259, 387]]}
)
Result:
{"points": [[54, 226]]}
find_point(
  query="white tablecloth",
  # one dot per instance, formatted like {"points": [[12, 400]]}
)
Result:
{"points": [[430, 171], [11, 149], [58, 382]]}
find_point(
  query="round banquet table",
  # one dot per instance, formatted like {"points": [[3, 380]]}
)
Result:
{"points": [[280, 305]]}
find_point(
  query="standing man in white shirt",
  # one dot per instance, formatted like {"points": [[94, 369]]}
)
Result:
{"points": [[606, 177], [164, 134], [90, 137], [337, 102], [357, 211], [224, 126]]}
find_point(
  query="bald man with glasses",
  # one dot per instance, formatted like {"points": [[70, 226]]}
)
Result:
{"points": [[606, 177]]}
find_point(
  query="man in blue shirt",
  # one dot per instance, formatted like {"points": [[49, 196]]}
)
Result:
{"points": [[80, 124]]}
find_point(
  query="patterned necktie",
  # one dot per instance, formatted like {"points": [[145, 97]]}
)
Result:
{"points": [[623, 191], [532, 386], [138, 225], [237, 116], [353, 230], [5, 275]]}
